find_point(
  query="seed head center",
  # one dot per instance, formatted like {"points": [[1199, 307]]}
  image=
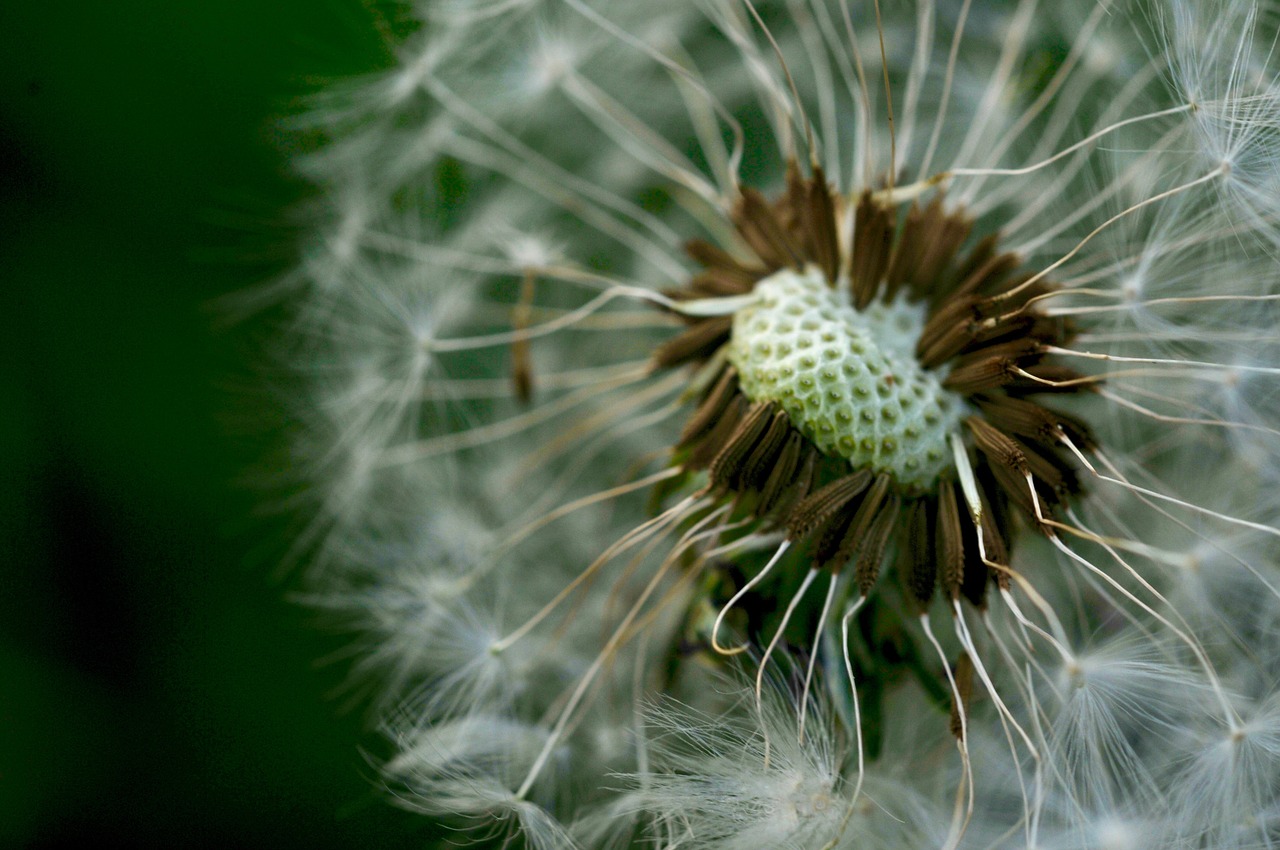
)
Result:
{"points": [[848, 379]]}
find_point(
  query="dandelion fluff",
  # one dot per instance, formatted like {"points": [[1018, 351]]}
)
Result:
{"points": [[624, 325], [734, 782]]}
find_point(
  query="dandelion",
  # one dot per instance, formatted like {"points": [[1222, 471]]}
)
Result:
{"points": [[915, 361]]}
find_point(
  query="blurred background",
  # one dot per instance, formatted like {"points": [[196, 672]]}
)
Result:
{"points": [[156, 685]]}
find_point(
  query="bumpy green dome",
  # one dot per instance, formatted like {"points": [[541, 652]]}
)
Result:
{"points": [[847, 378]]}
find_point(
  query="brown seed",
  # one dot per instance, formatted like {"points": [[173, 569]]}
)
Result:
{"points": [[871, 549], [521, 358], [791, 207], [783, 474], [521, 371], [943, 249], [851, 529], [718, 283], [986, 374], [697, 343], [872, 245], [712, 407], [1016, 487], [993, 539], [985, 278], [801, 486], [918, 561], [949, 541], [764, 455], [825, 540], [907, 253], [765, 233], [705, 450], [726, 466], [1000, 448], [1034, 421], [928, 243], [820, 222], [947, 332], [714, 257], [975, 259], [964, 687], [819, 507], [1052, 469], [1020, 351], [1008, 327]]}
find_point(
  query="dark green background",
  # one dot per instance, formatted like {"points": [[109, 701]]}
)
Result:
{"points": [[155, 684]]}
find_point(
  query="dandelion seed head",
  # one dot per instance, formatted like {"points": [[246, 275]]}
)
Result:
{"points": [[642, 336]]}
